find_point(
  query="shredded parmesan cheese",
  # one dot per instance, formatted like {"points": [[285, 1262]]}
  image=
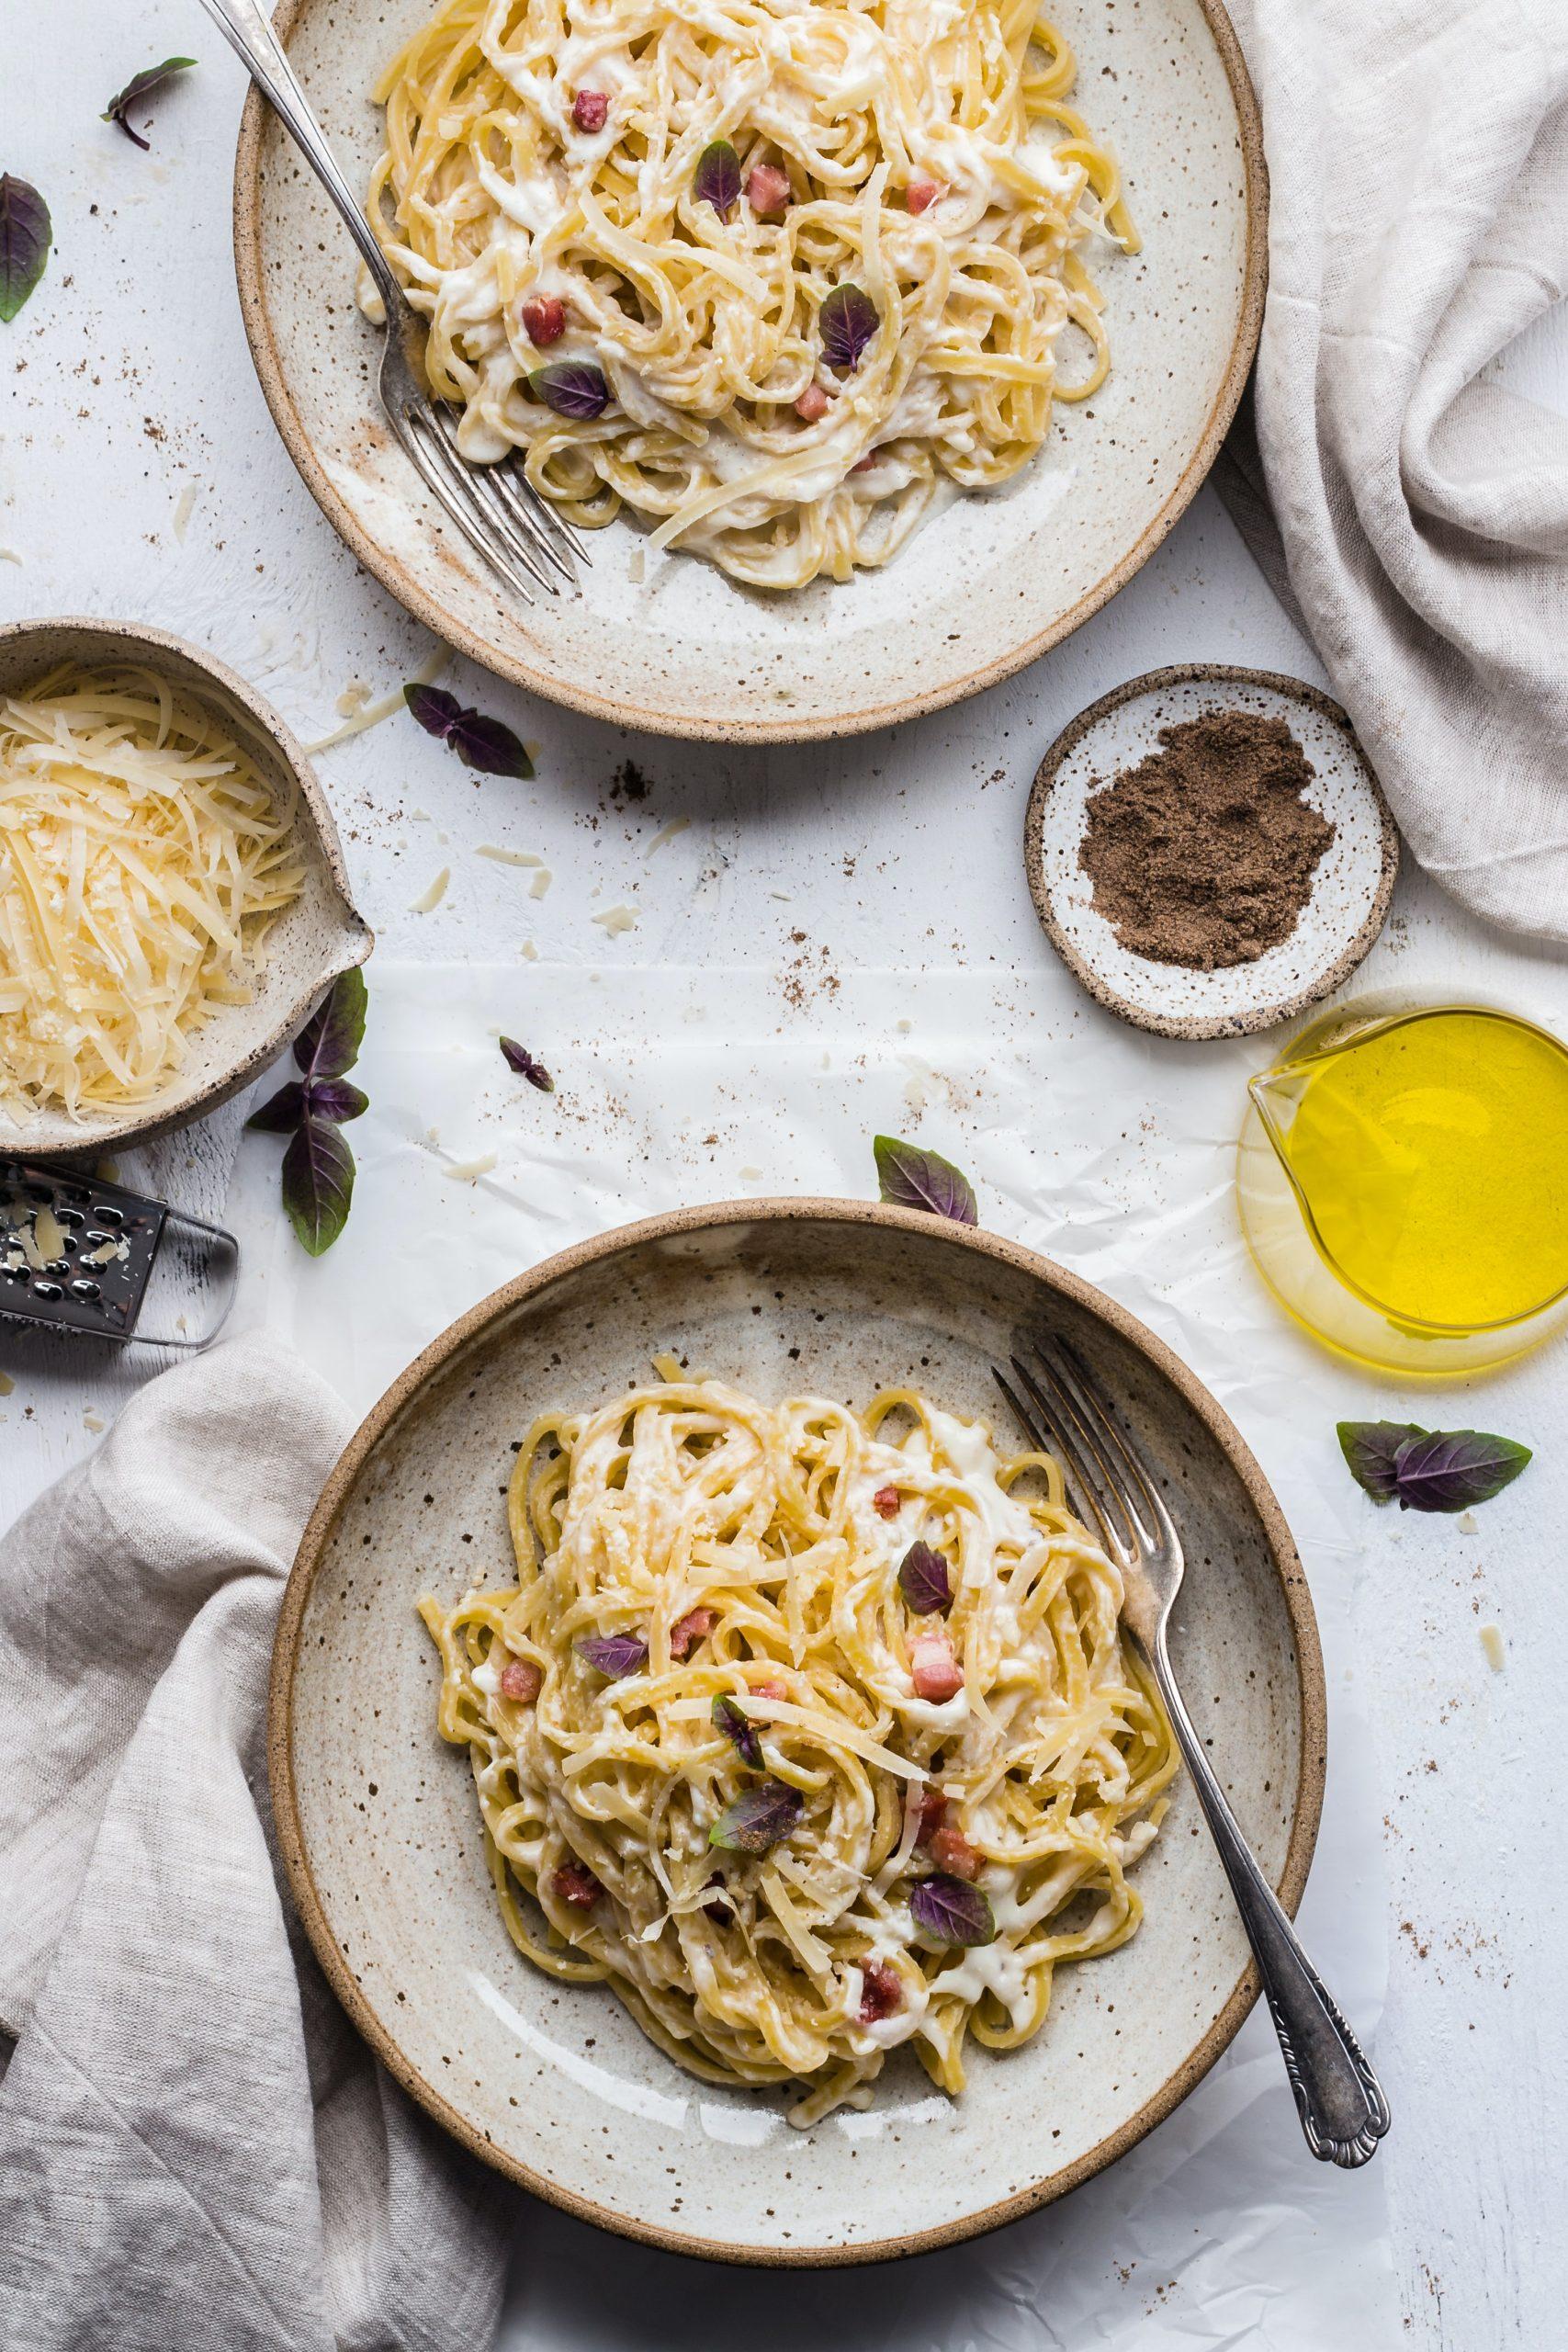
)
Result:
{"points": [[429, 900], [616, 920], [468, 1171], [143, 856]]}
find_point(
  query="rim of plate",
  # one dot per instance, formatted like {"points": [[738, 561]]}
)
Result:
{"points": [[1310, 1768], [1189, 1024], [624, 711]]}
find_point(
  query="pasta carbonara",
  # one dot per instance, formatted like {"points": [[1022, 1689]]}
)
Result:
{"points": [[810, 1732], [776, 274]]}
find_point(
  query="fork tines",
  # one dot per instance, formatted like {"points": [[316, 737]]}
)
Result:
{"points": [[1070, 1419], [499, 512]]}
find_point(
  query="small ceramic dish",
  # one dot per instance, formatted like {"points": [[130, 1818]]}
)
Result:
{"points": [[311, 941], [1350, 892], [553, 2083]]}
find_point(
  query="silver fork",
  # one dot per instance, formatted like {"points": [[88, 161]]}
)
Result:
{"points": [[498, 511], [1344, 2113]]}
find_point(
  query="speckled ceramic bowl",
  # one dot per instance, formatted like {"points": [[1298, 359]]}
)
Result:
{"points": [[311, 941], [986, 586], [1350, 892], [379, 1828]]}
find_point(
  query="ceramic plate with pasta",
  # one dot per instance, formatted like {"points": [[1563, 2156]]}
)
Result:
{"points": [[803, 1875], [870, 345]]}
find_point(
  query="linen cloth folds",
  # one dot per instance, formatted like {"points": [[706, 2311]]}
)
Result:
{"points": [[197, 2154], [1417, 156]]}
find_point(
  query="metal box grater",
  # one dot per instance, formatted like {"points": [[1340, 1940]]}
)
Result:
{"points": [[80, 1255]]}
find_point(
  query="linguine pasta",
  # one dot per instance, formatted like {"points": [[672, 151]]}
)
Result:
{"points": [[627, 221], [810, 1732]]}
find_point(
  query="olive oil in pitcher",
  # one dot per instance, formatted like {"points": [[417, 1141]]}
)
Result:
{"points": [[1404, 1184]]}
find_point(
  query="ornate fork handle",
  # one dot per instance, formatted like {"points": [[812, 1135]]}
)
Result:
{"points": [[1339, 2099], [247, 28]]}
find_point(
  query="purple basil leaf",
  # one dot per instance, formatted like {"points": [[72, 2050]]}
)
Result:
{"points": [[519, 1059], [614, 1655], [145, 85], [925, 1581], [318, 1183], [1449, 1469], [951, 1911], [573, 388], [913, 1179], [1370, 1448], [488, 745], [437, 710], [716, 179], [336, 1098], [849, 318], [329, 1042], [24, 234], [281, 1113], [736, 1725], [757, 1818]]}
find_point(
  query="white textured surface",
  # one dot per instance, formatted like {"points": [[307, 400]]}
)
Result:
{"points": [[898, 849]]}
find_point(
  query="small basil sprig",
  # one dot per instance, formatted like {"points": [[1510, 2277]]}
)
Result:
{"points": [[26, 232], [913, 1179], [519, 1059], [318, 1167], [614, 1656], [951, 1911], [487, 744], [925, 1581], [716, 179], [573, 388], [1436, 1470], [759, 1819], [145, 84], [737, 1727], [849, 318]]}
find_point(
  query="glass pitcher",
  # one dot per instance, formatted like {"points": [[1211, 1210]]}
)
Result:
{"points": [[1402, 1177]]}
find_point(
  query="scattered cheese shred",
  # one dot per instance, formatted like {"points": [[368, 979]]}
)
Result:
{"points": [[182, 507], [468, 1171], [370, 713], [616, 920], [507, 856], [529, 953], [1491, 1643], [7, 1386], [144, 854], [434, 895], [672, 831], [92, 1421], [540, 883]]}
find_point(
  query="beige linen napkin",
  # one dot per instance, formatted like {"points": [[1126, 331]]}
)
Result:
{"points": [[1418, 165], [197, 2154]]}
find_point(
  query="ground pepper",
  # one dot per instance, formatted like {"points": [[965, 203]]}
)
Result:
{"points": [[1203, 854]]}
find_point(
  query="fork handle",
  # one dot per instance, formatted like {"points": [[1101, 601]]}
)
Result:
{"points": [[1339, 2099], [246, 26]]}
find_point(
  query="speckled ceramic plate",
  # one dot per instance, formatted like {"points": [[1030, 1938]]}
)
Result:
{"points": [[311, 941], [1350, 892], [553, 2083], [986, 586]]}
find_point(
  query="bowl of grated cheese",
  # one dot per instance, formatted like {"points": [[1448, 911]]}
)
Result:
{"points": [[173, 894]]}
